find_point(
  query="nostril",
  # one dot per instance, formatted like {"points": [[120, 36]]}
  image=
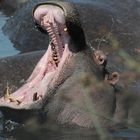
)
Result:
{"points": [[115, 74], [99, 57]]}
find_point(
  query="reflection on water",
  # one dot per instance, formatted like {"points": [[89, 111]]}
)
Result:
{"points": [[64, 133], [6, 47], [46, 131]]}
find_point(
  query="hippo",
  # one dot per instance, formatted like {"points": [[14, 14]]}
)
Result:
{"points": [[59, 70], [72, 83]]}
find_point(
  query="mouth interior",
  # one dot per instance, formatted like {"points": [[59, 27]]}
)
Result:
{"points": [[51, 18]]}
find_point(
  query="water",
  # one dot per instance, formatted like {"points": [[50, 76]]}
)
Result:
{"points": [[6, 47], [65, 133]]}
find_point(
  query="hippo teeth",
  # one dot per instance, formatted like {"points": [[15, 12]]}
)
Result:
{"points": [[54, 55], [56, 43]]}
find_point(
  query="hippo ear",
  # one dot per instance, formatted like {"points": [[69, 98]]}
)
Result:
{"points": [[113, 78]]}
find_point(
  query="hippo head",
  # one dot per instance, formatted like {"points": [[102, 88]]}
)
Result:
{"points": [[68, 71]]}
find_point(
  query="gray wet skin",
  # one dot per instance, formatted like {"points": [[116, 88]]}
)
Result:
{"points": [[79, 87]]}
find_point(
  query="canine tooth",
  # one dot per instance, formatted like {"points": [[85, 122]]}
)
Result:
{"points": [[7, 92], [35, 97], [7, 95]]}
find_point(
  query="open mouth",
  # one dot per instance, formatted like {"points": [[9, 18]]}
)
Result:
{"points": [[51, 19]]}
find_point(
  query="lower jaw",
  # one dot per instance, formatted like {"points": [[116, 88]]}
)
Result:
{"points": [[44, 86]]}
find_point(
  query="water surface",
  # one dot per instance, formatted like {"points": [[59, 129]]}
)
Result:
{"points": [[6, 47]]}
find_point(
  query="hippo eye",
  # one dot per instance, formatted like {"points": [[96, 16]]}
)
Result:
{"points": [[65, 29], [36, 26]]}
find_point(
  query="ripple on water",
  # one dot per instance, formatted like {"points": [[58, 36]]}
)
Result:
{"points": [[6, 47]]}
